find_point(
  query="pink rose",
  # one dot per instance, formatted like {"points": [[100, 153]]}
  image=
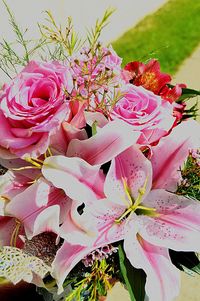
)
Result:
{"points": [[32, 108], [146, 111]]}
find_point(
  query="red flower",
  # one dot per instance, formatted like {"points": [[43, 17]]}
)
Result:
{"points": [[150, 77]]}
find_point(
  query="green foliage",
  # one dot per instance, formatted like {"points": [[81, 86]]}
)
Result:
{"points": [[94, 33], [94, 283], [66, 39], [190, 185], [19, 34], [10, 59], [192, 110], [170, 35], [134, 278], [187, 94]]}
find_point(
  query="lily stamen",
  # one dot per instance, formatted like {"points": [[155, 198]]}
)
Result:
{"points": [[25, 167], [135, 204], [127, 192], [35, 162]]}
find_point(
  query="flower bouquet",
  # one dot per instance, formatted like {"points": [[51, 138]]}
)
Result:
{"points": [[100, 170]]}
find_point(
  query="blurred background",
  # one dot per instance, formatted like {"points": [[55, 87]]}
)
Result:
{"points": [[84, 14], [139, 29]]}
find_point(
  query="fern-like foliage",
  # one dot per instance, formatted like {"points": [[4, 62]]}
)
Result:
{"points": [[15, 54], [55, 42], [94, 33], [65, 40]]}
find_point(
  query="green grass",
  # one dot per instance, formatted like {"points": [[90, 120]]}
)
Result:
{"points": [[170, 34]]}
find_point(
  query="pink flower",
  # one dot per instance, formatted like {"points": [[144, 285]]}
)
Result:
{"points": [[95, 76], [149, 221], [171, 152], [146, 112], [148, 218], [32, 107]]}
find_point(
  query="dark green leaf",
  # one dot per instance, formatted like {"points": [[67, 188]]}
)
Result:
{"points": [[134, 278], [188, 260], [188, 93]]}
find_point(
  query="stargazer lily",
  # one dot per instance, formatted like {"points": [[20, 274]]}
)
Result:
{"points": [[149, 220]]}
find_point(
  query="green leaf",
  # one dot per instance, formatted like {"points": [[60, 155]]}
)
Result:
{"points": [[134, 278], [196, 269], [188, 93], [185, 261]]}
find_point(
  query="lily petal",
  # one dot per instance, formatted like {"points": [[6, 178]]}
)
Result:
{"points": [[11, 184], [78, 227], [47, 221], [129, 168], [97, 117], [75, 176], [163, 279], [177, 225], [66, 259], [7, 226], [110, 141], [171, 152], [28, 205]]}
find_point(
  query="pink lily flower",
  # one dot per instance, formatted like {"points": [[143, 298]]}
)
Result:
{"points": [[38, 208], [171, 152], [11, 184], [149, 221]]}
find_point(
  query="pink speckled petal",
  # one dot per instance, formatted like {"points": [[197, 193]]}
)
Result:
{"points": [[135, 169], [177, 227], [163, 279], [94, 224]]}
